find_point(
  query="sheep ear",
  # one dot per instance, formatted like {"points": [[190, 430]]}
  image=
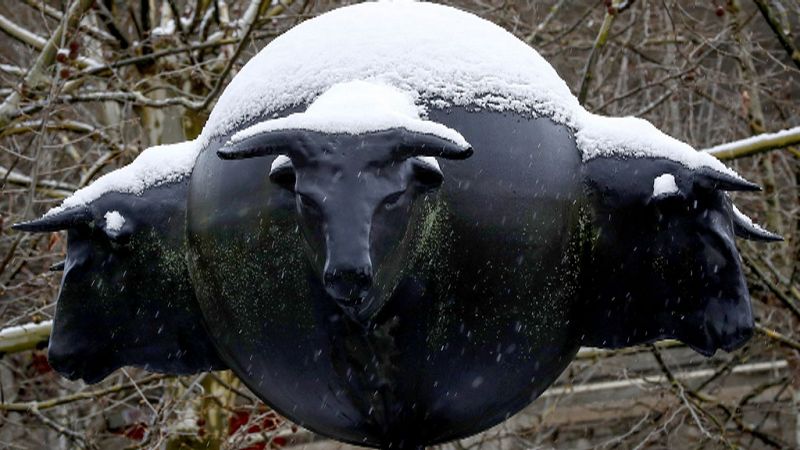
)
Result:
{"points": [[427, 172], [665, 186], [282, 172]]}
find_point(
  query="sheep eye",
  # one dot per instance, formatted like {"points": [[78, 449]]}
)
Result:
{"points": [[392, 200]]}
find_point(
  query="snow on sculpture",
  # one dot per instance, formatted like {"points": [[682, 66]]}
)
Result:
{"points": [[114, 221], [399, 226], [356, 107], [664, 185]]}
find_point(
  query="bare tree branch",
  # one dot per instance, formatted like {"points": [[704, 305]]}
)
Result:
{"points": [[756, 144]]}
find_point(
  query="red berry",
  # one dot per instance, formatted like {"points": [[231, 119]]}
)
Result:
{"points": [[720, 11], [73, 50], [61, 57], [40, 364], [135, 432], [237, 420], [64, 73]]}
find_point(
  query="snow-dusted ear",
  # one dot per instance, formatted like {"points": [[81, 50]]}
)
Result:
{"points": [[427, 172], [664, 186], [281, 162], [114, 225], [282, 172]]}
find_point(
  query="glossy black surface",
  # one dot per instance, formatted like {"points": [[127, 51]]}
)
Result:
{"points": [[473, 300], [663, 267], [354, 196], [126, 298]]}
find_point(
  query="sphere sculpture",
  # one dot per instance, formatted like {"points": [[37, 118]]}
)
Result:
{"points": [[398, 227]]}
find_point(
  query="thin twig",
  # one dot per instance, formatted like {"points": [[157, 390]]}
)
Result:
{"points": [[86, 395]]}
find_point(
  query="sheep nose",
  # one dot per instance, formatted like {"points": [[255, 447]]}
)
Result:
{"points": [[348, 287]]}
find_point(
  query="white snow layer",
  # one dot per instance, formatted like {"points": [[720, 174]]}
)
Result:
{"points": [[154, 166], [439, 54], [631, 137], [279, 162], [164, 30], [761, 138], [664, 185], [114, 221], [357, 107], [436, 54]]}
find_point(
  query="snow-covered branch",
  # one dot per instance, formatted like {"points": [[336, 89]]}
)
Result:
{"points": [[21, 34], [52, 189], [57, 15], [85, 395], [24, 337], [756, 144]]}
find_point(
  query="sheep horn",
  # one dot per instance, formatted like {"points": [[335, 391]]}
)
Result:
{"points": [[57, 221], [262, 144], [747, 229], [713, 179]]}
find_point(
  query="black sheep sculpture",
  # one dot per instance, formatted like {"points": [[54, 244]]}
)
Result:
{"points": [[397, 228]]}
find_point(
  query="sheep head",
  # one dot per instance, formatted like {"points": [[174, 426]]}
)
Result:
{"points": [[353, 195]]}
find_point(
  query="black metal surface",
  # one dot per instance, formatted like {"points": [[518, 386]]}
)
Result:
{"points": [[126, 298], [663, 267], [471, 310]]}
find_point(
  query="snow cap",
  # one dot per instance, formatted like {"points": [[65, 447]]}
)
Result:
{"points": [[357, 107], [441, 54], [386, 58], [154, 166], [632, 137]]}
